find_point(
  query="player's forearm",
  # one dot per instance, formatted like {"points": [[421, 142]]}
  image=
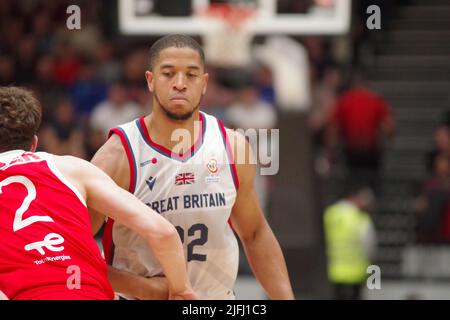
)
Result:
{"points": [[136, 286], [169, 252], [122, 281], [160, 234], [166, 245], [267, 262]]}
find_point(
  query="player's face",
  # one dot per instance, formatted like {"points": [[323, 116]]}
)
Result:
{"points": [[178, 82]]}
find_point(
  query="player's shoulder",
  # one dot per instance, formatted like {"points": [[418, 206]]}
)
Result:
{"points": [[68, 164], [113, 144], [235, 137], [243, 157], [240, 146], [112, 159], [112, 151], [73, 169]]}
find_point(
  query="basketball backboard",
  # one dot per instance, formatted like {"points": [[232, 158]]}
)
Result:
{"points": [[319, 17]]}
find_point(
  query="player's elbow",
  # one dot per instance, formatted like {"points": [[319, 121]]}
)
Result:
{"points": [[254, 235], [250, 236]]}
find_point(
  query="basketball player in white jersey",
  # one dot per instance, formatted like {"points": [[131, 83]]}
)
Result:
{"points": [[193, 183]]}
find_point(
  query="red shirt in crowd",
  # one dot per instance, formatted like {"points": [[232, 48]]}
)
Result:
{"points": [[358, 115]]}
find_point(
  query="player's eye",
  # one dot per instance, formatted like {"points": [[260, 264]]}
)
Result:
{"points": [[167, 74]]}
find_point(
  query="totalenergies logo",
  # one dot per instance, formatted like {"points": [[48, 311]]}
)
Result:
{"points": [[212, 166]]}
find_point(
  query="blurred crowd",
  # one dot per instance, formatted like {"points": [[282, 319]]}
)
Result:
{"points": [[92, 79], [87, 80], [433, 196]]}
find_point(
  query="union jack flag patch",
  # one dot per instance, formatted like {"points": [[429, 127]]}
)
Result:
{"points": [[184, 178]]}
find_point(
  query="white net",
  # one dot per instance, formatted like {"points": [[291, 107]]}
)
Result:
{"points": [[227, 46], [227, 43]]}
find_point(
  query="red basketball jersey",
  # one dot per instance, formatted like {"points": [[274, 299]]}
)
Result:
{"points": [[46, 246]]}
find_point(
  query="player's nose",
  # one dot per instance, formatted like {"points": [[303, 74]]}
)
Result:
{"points": [[180, 82]]}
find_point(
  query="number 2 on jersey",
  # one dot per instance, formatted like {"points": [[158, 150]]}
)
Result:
{"points": [[191, 256], [52, 241], [20, 223]]}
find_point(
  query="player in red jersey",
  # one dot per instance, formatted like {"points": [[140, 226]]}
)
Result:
{"points": [[47, 248]]}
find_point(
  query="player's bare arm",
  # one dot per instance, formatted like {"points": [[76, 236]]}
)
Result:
{"points": [[261, 247], [112, 159], [103, 195], [139, 287]]}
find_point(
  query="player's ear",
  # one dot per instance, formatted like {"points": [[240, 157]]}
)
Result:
{"points": [[34, 143], [205, 83], [150, 79]]}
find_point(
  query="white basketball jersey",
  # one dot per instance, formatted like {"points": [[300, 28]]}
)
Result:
{"points": [[195, 192]]}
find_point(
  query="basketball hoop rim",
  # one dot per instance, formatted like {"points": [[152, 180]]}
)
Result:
{"points": [[234, 15]]}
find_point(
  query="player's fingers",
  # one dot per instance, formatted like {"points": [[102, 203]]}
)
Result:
{"points": [[184, 296]]}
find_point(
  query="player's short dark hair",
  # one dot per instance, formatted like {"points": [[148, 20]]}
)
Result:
{"points": [[177, 41], [20, 118]]}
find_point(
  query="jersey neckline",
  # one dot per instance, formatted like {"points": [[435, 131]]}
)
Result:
{"points": [[166, 152]]}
